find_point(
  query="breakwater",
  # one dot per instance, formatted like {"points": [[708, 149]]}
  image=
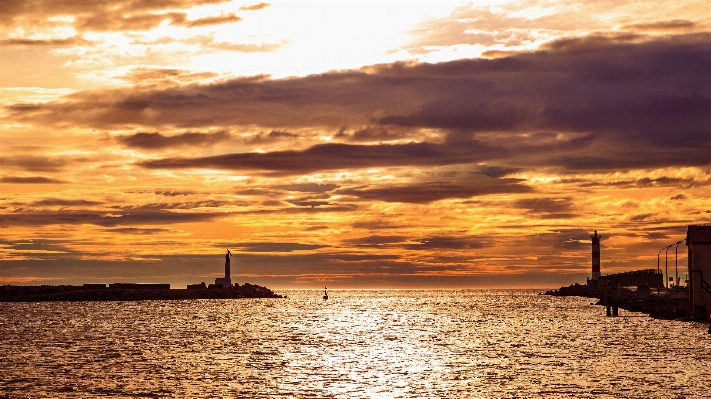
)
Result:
{"points": [[659, 304], [48, 293]]}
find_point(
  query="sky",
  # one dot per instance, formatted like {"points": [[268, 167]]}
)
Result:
{"points": [[350, 144]]}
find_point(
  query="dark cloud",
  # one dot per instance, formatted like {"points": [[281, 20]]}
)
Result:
{"points": [[107, 219], [558, 241], [496, 171], [375, 225], [30, 180], [34, 163], [641, 217], [272, 247], [322, 157], [679, 197], [449, 243], [174, 193], [376, 240], [170, 205], [312, 202], [547, 208], [597, 103], [271, 137], [674, 25], [64, 202], [67, 42], [371, 133], [153, 141], [307, 187], [136, 230], [424, 193]]}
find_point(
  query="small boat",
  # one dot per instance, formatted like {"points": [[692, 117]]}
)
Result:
{"points": [[325, 295]]}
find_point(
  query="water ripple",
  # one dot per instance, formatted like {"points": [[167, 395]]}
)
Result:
{"points": [[358, 344]]}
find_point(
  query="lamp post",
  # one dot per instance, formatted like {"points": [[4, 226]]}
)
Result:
{"points": [[666, 266], [666, 263], [658, 271], [676, 264]]}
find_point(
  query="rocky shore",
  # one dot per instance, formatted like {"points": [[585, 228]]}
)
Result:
{"points": [[11, 293], [659, 304]]}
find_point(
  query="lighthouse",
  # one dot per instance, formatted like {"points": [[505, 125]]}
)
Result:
{"points": [[595, 256], [225, 282]]}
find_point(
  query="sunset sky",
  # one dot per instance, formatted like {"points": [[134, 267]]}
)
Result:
{"points": [[350, 144]]}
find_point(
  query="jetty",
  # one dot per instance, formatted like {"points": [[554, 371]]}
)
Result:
{"points": [[222, 289], [658, 303], [126, 292], [654, 291]]}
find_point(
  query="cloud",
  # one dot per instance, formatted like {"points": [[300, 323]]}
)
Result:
{"points": [[547, 208], [309, 201], [30, 180], [271, 137], [496, 171], [673, 25], [101, 218], [255, 7], [449, 243], [249, 48], [64, 202], [67, 42], [155, 75], [307, 187], [136, 231], [154, 141], [207, 21], [272, 247], [98, 15], [112, 21], [318, 158], [35, 163], [424, 193], [596, 103], [377, 240]]}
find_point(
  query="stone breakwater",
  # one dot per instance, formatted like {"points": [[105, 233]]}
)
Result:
{"points": [[662, 304], [10, 293]]}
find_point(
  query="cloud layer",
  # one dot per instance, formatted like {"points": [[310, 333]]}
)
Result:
{"points": [[527, 131]]}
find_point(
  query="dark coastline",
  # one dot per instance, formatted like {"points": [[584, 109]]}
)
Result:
{"points": [[662, 304], [65, 293]]}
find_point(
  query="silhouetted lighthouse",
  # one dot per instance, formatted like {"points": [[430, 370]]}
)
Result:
{"points": [[595, 256], [225, 282]]}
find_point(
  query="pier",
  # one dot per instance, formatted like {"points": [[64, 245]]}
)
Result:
{"points": [[126, 292]]}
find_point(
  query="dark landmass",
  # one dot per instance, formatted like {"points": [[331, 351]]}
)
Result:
{"points": [[48, 293], [662, 304]]}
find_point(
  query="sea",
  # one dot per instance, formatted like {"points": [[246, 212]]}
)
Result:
{"points": [[355, 344]]}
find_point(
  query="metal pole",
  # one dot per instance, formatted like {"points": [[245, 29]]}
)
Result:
{"points": [[676, 265], [666, 263], [658, 271]]}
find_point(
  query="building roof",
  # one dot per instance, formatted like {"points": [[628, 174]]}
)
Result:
{"points": [[697, 234]]}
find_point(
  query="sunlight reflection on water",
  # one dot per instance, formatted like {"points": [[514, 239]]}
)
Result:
{"points": [[357, 344]]}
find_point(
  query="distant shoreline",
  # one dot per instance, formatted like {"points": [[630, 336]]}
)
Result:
{"points": [[10, 293]]}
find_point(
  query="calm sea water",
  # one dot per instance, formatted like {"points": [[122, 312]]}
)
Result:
{"points": [[357, 344]]}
